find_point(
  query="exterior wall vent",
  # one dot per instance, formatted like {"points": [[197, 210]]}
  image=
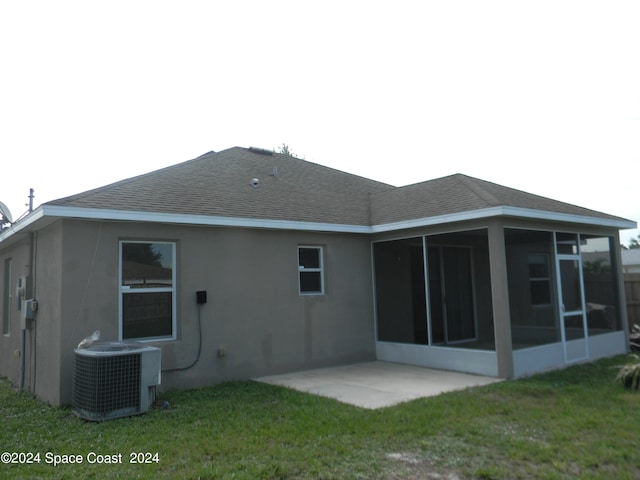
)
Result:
{"points": [[114, 379]]}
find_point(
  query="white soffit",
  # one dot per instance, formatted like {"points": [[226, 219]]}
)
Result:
{"points": [[187, 219], [504, 212], [100, 214], [50, 212]]}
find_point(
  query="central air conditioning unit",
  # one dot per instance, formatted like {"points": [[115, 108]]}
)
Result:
{"points": [[114, 379]]}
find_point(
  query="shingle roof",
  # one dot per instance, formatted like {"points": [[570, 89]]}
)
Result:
{"points": [[219, 184], [461, 193]]}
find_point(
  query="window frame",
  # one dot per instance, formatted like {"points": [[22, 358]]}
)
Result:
{"points": [[126, 289], [7, 296], [320, 270]]}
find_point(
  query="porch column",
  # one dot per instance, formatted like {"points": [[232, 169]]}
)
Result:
{"points": [[500, 298], [620, 286]]}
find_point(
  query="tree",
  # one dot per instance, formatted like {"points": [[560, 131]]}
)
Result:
{"points": [[634, 243], [285, 150], [142, 253], [596, 266]]}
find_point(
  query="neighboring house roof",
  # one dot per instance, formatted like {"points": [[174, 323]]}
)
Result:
{"points": [[631, 257], [216, 189]]}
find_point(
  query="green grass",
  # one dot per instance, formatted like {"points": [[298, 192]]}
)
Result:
{"points": [[574, 423]]}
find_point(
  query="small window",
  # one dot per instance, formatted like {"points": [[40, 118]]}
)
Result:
{"points": [[539, 279], [7, 299], [310, 274], [147, 290]]}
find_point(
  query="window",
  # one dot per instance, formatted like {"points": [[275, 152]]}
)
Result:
{"points": [[147, 290], [539, 279], [7, 298], [310, 274]]}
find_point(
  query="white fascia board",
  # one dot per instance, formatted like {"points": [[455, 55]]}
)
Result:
{"points": [[568, 218], [505, 212], [22, 224], [186, 219], [437, 220]]}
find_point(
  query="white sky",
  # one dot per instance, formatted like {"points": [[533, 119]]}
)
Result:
{"points": [[542, 96]]}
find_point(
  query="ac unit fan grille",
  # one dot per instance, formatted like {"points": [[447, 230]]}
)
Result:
{"points": [[104, 385]]}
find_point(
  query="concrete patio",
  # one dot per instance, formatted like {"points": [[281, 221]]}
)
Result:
{"points": [[377, 384]]}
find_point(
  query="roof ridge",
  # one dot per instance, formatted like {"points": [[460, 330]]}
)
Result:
{"points": [[319, 165], [474, 185]]}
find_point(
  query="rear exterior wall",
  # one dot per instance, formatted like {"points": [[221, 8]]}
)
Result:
{"points": [[15, 261], [38, 258], [254, 323]]}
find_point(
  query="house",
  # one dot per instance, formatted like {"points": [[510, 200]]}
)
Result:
{"points": [[631, 260], [246, 262]]}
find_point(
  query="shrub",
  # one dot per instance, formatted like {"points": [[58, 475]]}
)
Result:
{"points": [[629, 374]]}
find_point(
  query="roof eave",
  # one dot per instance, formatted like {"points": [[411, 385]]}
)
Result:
{"points": [[46, 214], [32, 222], [505, 211], [205, 220]]}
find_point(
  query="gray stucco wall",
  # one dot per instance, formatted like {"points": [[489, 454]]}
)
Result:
{"points": [[10, 343], [41, 352], [254, 313], [47, 329]]}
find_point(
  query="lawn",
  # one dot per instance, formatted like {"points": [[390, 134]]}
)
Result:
{"points": [[574, 423]]}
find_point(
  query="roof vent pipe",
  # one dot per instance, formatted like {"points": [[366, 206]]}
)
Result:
{"points": [[260, 151]]}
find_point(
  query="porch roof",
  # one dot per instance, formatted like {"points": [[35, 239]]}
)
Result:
{"points": [[460, 193]]}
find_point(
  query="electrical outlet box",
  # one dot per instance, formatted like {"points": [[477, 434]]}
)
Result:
{"points": [[23, 290], [29, 307], [201, 297]]}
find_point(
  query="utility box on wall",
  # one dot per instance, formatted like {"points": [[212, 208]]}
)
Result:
{"points": [[23, 290], [29, 308], [25, 304]]}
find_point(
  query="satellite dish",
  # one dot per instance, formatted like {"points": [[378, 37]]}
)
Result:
{"points": [[5, 214]]}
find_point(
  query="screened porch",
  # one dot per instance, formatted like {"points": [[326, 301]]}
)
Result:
{"points": [[559, 303]]}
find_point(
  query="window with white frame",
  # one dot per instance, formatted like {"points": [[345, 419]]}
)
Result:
{"points": [[147, 290], [310, 271]]}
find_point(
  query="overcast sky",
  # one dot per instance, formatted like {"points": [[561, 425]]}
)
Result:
{"points": [[543, 96]]}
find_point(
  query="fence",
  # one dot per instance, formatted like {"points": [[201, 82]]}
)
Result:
{"points": [[632, 294]]}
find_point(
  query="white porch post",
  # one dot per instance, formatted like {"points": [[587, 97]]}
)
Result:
{"points": [[500, 298]]}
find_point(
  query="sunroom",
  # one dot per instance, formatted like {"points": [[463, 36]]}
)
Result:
{"points": [[504, 299]]}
